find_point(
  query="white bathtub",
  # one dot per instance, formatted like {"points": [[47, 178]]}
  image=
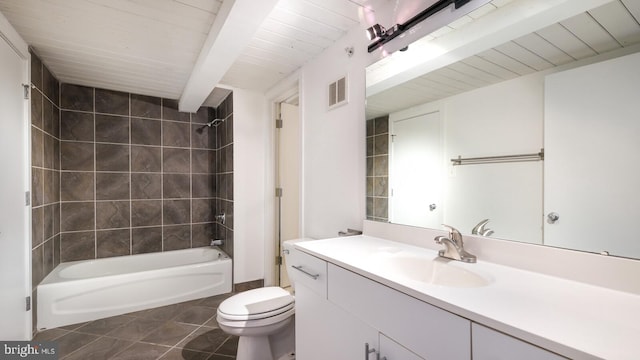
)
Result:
{"points": [[87, 290]]}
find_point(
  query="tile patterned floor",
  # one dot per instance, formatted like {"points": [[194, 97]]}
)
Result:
{"points": [[186, 331]]}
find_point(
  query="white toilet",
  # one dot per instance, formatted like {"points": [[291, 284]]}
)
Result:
{"points": [[263, 319]]}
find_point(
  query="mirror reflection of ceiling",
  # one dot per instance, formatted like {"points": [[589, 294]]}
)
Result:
{"points": [[606, 28]]}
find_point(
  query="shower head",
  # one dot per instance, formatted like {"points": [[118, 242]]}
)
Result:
{"points": [[214, 122]]}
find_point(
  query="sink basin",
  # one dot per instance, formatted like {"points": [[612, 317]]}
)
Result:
{"points": [[428, 270]]}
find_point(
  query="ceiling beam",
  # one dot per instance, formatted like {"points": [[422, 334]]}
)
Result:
{"points": [[232, 30]]}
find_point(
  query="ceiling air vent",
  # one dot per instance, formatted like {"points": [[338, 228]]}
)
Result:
{"points": [[338, 93]]}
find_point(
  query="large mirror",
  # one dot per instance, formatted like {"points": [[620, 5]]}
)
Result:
{"points": [[539, 135]]}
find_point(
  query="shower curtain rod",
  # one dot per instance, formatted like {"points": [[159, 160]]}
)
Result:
{"points": [[498, 159]]}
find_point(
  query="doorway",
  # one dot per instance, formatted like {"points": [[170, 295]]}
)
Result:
{"points": [[288, 171]]}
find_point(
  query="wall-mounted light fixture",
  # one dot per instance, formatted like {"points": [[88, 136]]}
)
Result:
{"points": [[380, 35], [376, 31]]}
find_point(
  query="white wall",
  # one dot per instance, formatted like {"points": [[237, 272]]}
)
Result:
{"points": [[334, 141], [333, 144], [249, 163]]}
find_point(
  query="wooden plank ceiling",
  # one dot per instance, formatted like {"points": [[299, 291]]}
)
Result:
{"points": [[142, 46], [294, 33], [601, 30], [151, 46]]}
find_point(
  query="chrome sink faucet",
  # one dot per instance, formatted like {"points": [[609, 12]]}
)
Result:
{"points": [[454, 246]]}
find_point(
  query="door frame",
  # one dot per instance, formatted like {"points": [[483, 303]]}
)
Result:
{"points": [[286, 89], [21, 48], [284, 136]]}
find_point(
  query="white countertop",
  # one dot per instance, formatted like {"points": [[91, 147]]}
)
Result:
{"points": [[576, 320]]}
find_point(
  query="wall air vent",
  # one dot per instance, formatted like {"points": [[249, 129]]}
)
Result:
{"points": [[338, 93]]}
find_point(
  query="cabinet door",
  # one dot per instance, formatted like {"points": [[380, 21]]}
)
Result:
{"points": [[427, 330], [391, 350], [324, 331], [489, 344]]}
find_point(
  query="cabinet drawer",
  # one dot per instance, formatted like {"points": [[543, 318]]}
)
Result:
{"points": [[308, 270], [391, 350], [426, 330], [489, 344]]}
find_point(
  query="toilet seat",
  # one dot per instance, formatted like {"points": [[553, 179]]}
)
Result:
{"points": [[272, 322], [262, 319], [257, 304]]}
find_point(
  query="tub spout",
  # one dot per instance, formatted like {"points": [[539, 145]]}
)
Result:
{"points": [[217, 242]]}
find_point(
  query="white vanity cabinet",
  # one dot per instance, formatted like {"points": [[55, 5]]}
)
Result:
{"points": [[323, 330], [390, 295], [489, 344], [339, 311], [423, 329], [326, 331], [391, 350]]}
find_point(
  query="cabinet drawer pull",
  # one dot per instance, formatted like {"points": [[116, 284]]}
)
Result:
{"points": [[299, 268]]}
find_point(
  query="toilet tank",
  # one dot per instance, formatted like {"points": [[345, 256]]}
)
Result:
{"points": [[290, 253]]}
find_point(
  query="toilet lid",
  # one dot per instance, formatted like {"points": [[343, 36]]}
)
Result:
{"points": [[256, 304]]}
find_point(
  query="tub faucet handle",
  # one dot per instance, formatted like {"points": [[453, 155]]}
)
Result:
{"points": [[217, 242], [221, 218]]}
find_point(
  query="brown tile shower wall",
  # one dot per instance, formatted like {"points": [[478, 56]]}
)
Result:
{"points": [[378, 169], [117, 174], [45, 174], [224, 173], [137, 176]]}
